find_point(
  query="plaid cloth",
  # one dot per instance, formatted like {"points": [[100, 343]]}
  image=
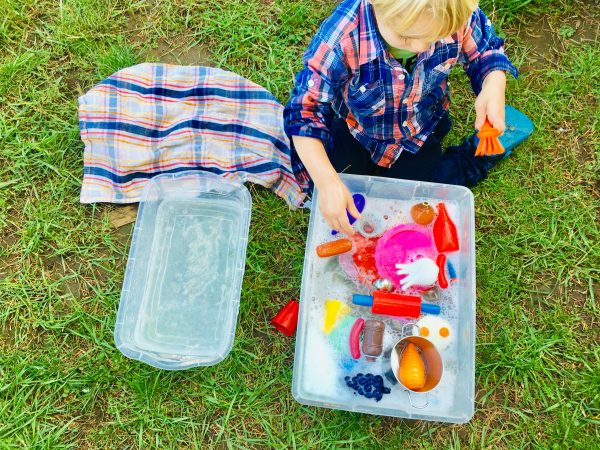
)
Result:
{"points": [[155, 118], [349, 72]]}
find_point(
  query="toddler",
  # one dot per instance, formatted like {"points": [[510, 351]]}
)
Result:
{"points": [[373, 97]]}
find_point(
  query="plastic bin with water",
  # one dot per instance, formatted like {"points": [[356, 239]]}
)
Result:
{"points": [[320, 366], [182, 287]]}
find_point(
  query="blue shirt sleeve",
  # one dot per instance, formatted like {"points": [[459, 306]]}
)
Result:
{"points": [[309, 110], [482, 51]]}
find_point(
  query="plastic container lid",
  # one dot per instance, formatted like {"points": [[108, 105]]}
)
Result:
{"points": [[183, 281]]}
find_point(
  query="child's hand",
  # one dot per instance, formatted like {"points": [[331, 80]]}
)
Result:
{"points": [[490, 101], [334, 196], [334, 199]]}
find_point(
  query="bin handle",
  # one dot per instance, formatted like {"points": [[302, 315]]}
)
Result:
{"points": [[418, 406]]}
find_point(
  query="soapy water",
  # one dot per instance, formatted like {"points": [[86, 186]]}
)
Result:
{"points": [[324, 366]]}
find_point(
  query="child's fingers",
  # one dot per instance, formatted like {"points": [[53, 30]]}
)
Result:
{"points": [[480, 111], [335, 225], [345, 226], [496, 118], [344, 223], [331, 222], [352, 208]]}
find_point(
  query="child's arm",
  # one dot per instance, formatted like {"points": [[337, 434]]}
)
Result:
{"points": [[486, 65], [334, 196], [307, 119], [490, 101]]}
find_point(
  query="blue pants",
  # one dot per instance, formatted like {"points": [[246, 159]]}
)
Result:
{"points": [[457, 165]]}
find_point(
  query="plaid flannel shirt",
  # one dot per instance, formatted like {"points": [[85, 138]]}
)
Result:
{"points": [[349, 72]]}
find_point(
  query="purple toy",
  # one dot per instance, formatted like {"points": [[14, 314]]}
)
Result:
{"points": [[359, 202]]}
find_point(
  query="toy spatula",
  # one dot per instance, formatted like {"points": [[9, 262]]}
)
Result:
{"points": [[488, 141]]}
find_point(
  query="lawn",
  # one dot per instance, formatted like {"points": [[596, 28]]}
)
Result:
{"points": [[63, 384]]}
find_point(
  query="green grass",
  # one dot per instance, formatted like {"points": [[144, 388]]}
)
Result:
{"points": [[64, 385]]}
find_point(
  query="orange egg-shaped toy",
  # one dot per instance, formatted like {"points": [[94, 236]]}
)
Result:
{"points": [[412, 368], [422, 213]]}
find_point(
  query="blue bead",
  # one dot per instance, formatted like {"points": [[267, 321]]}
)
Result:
{"points": [[368, 388], [378, 397], [359, 374], [361, 392], [369, 376], [369, 395], [347, 378], [386, 390], [378, 378]]}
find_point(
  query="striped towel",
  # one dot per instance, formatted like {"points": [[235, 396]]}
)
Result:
{"points": [[157, 118]]}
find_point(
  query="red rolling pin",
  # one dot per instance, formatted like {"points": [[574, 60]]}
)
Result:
{"points": [[392, 304]]}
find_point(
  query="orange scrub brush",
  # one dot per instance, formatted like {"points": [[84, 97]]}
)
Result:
{"points": [[489, 144]]}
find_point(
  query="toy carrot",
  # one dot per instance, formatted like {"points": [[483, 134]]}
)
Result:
{"points": [[333, 248], [412, 369], [489, 144]]}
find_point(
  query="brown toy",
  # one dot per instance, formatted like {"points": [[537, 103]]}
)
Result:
{"points": [[372, 344], [422, 213], [489, 144], [333, 248]]}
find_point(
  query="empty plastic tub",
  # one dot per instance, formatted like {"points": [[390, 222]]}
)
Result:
{"points": [[181, 294]]}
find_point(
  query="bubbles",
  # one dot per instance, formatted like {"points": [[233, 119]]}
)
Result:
{"points": [[323, 368]]}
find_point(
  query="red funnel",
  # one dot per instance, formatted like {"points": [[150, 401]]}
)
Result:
{"points": [[286, 319]]}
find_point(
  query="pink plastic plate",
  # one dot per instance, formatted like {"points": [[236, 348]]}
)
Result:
{"points": [[403, 244]]}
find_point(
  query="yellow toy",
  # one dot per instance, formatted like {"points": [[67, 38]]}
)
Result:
{"points": [[334, 311]]}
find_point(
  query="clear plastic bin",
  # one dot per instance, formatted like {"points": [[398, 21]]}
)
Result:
{"points": [[181, 293], [321, 365]]}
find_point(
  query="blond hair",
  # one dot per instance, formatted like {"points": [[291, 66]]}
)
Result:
{"points": [[448, 16]]}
